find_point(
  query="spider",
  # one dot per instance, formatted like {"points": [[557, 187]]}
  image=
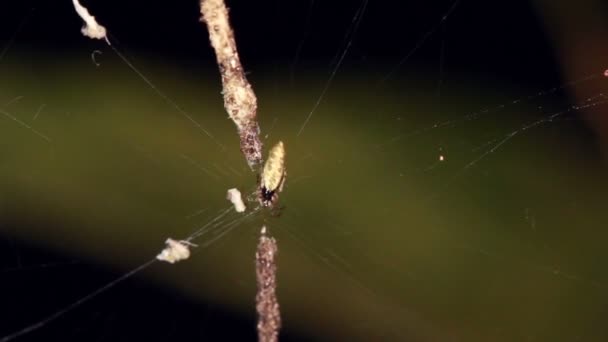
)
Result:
{"points": [[273, 176], [269, 197]]}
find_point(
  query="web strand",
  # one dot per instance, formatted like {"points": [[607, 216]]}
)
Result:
{"points": [[355, 25], [76, 304], [165, 97]]}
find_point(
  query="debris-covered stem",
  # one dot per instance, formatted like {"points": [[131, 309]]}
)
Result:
{"points": [[241, 104], [239, 99], [267, 305]]}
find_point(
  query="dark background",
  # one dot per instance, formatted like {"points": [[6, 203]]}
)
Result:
{"points": [[477, 36]]}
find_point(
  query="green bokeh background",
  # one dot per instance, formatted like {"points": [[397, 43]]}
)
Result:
{"points": [[378, 240]]}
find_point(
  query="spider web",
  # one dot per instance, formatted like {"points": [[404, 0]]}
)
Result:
{"points": [[424, 199]]}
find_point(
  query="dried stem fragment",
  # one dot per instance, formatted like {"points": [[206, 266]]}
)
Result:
{"points": [[267, 305], [239, 99]]}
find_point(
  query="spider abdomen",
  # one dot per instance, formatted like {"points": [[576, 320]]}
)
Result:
{"points": [[273, 175]]}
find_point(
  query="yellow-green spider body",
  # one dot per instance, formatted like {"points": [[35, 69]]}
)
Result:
{"points": [[273, 176]]}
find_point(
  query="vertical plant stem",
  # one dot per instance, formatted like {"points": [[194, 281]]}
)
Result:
{"points": [[241, 104], [267, 305], [239, 99]]}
